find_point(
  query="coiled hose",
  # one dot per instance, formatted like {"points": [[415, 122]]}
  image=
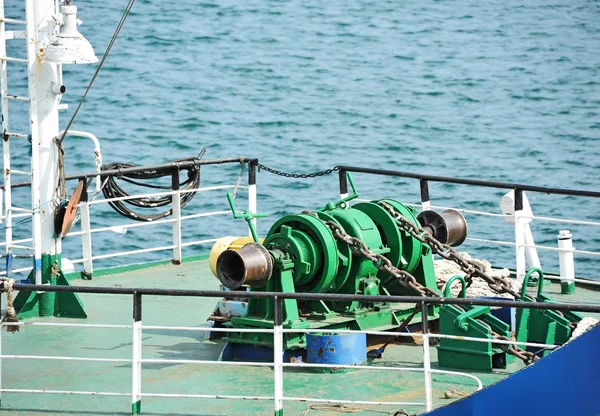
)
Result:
{"points": [[111, 189]]}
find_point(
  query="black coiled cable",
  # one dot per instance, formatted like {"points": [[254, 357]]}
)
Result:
{"points": [[111, 189]]}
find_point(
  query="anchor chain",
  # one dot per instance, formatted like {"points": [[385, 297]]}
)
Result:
{"points": [[527, 356], [359, 248], [470, 267]]}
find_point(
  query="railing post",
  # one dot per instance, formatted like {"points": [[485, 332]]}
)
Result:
{"points": [[426, 358], [86, 237], [278, 356], [343, 184], [136, 365], [566, 262], [252, 190], [425, 203], [176, 207], [1, 330], [520, 236]]}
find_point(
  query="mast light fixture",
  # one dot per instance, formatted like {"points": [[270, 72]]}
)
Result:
{"points": [[69, 46]]}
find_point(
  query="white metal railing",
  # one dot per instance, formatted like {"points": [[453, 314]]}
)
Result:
{"points": [[87, 231], [97, 150], [278, 332], [520, 242], [278, 365]]}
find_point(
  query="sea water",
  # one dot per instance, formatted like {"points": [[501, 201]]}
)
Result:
{"points": [[495, 90]]}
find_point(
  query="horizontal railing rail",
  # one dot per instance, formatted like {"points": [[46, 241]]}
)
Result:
{"points": [[164, 167], [137, 361], [463, 181], [575, 307]]}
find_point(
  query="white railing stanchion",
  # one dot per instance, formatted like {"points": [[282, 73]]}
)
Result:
{"points": [[426, 359], [1, 330], [520, 247], [86, 239], [566, 262], [176, 198], [425, 202], [519, 236], [516, 210], [252, 207], [136, 364], [278, 356], [343, 180]]}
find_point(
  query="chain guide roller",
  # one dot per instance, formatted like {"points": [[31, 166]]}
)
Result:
{"points": [[543, 326], [471, 321]]}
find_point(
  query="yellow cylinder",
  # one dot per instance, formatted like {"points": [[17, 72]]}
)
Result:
{"points": [[226, 243]]}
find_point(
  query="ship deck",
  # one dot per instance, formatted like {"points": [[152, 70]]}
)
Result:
{"points": [[166, 378]]}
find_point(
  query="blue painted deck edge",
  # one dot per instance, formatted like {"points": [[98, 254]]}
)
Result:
{"points": [[563, 383]]}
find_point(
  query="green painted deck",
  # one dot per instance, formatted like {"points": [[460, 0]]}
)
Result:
{"points": [[189, 378]]}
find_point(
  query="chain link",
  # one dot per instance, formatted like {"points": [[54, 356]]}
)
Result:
{"points": [[298, 175], [527, 356]]}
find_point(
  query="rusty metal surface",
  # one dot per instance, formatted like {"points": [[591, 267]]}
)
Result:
{"points": [[71, 211], [251, 265]]}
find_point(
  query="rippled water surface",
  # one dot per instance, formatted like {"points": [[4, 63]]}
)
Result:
{"points": [[497, 90]]}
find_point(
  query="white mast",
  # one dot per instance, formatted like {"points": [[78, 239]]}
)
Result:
{"points": [[47, 49], [43, 114]]}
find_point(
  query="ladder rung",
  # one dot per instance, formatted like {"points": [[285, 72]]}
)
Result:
{"points": [[15, 97], [17, 60], [12, 21], [17, 135], [17, 209], [19, 247], [15, 34], [19, 172]]}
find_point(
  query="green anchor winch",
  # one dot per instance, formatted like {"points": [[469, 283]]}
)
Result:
{"points": [[303, 253]]}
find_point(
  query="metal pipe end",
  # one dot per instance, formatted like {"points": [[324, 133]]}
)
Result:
{"points": [[252, 265], [450, 227]]}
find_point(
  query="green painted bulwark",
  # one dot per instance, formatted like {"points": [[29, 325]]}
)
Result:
{"points": [[136, 408]]}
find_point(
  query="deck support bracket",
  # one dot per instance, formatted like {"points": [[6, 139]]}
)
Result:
{"points": [[30, 304]]}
